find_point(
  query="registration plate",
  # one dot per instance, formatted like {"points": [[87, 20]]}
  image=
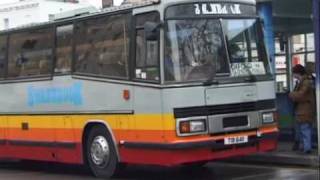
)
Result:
{"points": [[235, 140]]}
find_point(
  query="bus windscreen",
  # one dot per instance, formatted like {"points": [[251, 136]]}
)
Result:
{"points": [[201, 49]]}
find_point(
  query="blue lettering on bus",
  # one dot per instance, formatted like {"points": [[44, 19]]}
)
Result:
{"points": [[55, 95]]}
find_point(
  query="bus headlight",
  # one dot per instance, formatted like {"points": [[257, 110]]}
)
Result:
{"points": [[192, 127], [268, 117]]}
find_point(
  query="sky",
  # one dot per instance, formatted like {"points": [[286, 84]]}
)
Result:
{"points": [[116, 2], [7, 1]]}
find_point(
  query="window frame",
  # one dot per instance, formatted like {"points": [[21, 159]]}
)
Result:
{"points": [[51, 60], [136, 28], [5, 63], [305, 51], [127, 13], [56, 26], [224, 41]]}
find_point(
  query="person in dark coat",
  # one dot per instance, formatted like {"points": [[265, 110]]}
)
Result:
{"points": [[303, 98]]}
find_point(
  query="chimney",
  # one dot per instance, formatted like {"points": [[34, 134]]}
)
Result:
{"points": [[107, 3]]}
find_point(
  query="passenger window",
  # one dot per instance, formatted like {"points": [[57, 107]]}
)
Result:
{"points": [[64, 35], [30, 53], [102, 46], [3, 55], [147, 51]]}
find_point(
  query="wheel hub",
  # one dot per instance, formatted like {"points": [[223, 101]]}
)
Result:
{"points": [[100, 152]]}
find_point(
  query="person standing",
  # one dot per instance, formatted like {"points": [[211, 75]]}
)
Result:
{"points": [[303, 97]]}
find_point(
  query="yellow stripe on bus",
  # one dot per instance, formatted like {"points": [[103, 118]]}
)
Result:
{"points": [[132, 122]]}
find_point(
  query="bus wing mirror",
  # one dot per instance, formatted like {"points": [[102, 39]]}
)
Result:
{"points": [[151, 30]]}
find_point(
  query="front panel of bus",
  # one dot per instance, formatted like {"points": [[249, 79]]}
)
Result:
{"points": [[217, 76]]}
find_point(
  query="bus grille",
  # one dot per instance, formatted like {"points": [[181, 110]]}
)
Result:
{"points": [[238, 121], [224, 109]]}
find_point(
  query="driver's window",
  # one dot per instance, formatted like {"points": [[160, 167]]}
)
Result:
{"points": [[147, 51]]}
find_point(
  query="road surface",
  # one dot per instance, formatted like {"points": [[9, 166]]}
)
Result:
{"points": [[212, 171]]}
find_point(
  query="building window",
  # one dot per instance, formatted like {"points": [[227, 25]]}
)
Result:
{"points": [[6, 23], [30, 53], [51, 17], [304, 51], [102, 46], [281, 67]]}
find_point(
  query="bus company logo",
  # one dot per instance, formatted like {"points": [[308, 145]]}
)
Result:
{"points": [[55, 95], [213, 8]]}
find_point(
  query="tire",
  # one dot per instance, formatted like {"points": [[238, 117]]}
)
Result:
{"points": [[101, 153], [195, 165]]}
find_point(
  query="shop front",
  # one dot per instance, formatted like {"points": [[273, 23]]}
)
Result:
{"points": [[292, 36]]}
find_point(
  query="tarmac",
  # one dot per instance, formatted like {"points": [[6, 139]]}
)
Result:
{"points": [[283, 156], [211, 171]]}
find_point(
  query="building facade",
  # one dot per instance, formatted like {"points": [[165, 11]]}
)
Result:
{"points": [[24, 12]]}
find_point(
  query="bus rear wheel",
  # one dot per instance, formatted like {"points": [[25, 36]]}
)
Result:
{"points": [[101, 154]]}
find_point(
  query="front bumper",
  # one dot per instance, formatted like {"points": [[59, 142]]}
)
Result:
{"points": [[169, 154]]}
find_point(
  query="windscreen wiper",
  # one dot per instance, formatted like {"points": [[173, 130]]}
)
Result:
{"points": [[250, 78], [210, 82]]}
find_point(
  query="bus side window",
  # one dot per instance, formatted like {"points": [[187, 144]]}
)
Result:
{"points": [[30, 53], [102, 46], [3, 55], [147, 52], [64, 40]]}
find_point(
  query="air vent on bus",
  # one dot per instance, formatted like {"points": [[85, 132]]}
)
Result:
{"points": [[238, 121], [224, 109]]}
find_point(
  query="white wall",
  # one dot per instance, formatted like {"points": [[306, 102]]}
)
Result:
{"points": [[95, 3], [18, 14], [8, 1], [50, 7], [118, 2], [34, 11]]}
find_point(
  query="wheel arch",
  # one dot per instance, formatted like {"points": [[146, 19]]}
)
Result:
{"points": [[88, 126]]}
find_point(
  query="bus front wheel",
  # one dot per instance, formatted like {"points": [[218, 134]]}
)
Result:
{"points": [[101, 153]]}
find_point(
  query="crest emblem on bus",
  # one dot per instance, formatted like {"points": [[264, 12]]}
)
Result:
{"points": [[213, 8]]}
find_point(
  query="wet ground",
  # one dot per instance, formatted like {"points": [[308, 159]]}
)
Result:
{"points": [[212, 171]]}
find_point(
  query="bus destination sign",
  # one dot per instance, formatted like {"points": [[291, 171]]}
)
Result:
{"points": [[210, 9], [215, 8]]}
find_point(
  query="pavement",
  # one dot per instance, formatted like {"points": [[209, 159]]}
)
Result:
{"points": [[283, 156], [212, 171]]}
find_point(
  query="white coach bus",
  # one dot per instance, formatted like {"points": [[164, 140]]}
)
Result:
{"points": [[160, 83]]}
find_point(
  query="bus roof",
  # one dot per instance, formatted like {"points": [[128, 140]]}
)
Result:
{"points": [[123, 7]]}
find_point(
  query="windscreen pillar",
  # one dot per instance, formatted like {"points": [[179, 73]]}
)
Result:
{"points": [[265, 12], [316, 18]]}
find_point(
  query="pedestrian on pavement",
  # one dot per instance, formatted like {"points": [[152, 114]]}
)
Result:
{"points": [[304, 110]]}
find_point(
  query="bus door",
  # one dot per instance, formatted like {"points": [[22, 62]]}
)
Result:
{"points": [[147, 99]]}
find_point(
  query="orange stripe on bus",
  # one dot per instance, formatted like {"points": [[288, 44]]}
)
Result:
{"points": [[75, 135], [44, 134]]}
